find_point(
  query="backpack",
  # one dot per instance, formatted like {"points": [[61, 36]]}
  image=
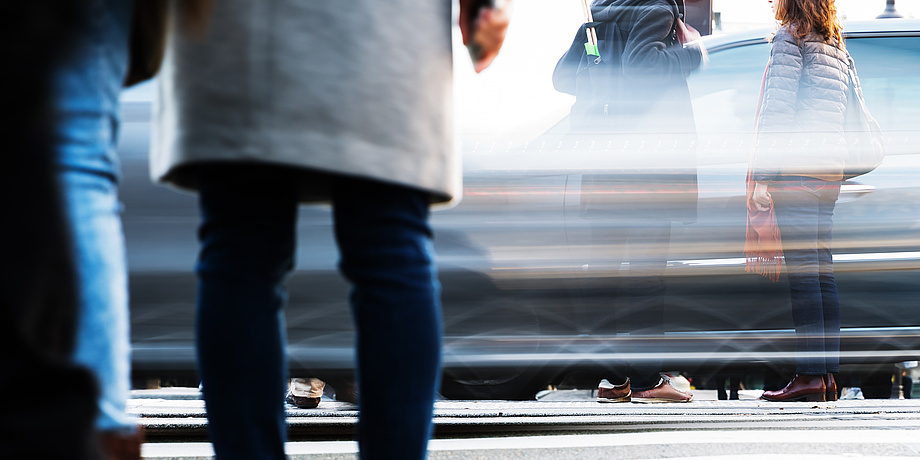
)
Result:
{"points": [[597, 81]]}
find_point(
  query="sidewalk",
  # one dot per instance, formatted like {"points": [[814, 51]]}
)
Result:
{"points": [[171, 414]]}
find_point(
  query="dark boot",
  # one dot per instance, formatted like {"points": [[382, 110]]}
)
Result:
{"points": [[802, 388], [830, 386]]}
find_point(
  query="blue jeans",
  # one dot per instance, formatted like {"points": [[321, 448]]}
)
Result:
{"points": [[804, 212], [247, 236], [88, 84]]}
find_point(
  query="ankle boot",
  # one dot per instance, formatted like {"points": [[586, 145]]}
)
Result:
{"points": [[830, 386], [802, 388]]}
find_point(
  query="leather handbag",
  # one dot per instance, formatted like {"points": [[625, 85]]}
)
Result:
{"points": [[864, 137]]}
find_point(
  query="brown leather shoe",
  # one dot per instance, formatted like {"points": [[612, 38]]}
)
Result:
{"points": [[121, 446], [802, 388], [610, 393], [830, 386], [662, 393]]}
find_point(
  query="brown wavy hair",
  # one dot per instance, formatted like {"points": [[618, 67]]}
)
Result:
{"points": [[805, 16]]}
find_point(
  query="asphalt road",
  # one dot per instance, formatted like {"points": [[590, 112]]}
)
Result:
{"points": [[570, 425]]}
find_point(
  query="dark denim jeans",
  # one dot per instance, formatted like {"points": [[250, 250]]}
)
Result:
{"points": [[804, 212], [247, 236]]}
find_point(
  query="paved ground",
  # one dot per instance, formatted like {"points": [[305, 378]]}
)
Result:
{"points": [[569, 424]]}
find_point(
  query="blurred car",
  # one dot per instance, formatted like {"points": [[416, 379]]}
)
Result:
{"points": [[526, 298]]}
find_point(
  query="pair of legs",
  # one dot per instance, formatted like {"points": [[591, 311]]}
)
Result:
{"points": [[644, 245], [248, 233], [87, 87], [804, 212]]}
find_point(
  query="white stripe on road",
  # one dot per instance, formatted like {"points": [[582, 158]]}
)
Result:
{"points": [[192, 450]]}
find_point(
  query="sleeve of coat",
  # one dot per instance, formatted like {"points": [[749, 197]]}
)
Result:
{"points": [[646, 53], [777, 112]]}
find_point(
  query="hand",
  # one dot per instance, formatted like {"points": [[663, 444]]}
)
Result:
{"points": [[487, 30], [761, 197], [686, 33]]}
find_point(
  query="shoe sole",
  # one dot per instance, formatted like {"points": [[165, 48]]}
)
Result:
{"points": [[819, 397], [617, 400], [660, 400]]}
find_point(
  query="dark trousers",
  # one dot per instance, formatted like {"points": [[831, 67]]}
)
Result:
{"points": [[247, 239], [644, 245], [804, 212]]}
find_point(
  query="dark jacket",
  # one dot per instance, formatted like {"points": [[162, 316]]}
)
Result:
{"points": [[642, 135], [649, 85], [801, 124]]}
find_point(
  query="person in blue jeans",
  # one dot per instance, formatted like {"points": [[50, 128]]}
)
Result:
{"points": [[797, 168], [86, 99], [282, 103]]}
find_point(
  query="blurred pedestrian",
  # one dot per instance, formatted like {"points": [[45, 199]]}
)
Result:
{"points": [[283, 103], [797, 169], [38, 306], [88, 84], [632, 106]]}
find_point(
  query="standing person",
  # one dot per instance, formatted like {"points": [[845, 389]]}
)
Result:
{"points": [[636, 98], [285, 102], [797, 168], [38, 299], [87, 87]]}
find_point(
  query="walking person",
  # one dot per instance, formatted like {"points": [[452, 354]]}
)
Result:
{"points": [[87, 85], [633, 93], [797, 169], [283, 103], [38, 290]]}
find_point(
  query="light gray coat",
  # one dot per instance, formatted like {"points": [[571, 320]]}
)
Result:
{"points": [[801, 124], [359, 88]]}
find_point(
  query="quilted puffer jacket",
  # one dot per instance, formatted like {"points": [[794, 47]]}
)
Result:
{"points": [[800, 129]]}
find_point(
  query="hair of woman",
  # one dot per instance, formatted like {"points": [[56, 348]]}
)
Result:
{"points": [[805, 16]]}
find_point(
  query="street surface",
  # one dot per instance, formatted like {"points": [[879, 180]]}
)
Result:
{"points": [[570, 425]]}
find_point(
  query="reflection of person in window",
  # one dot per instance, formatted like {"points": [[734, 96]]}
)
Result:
{"points": [[647, 122], [798, 167]]}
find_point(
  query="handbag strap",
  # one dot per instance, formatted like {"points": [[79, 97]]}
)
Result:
{"points": [[591, 45]]}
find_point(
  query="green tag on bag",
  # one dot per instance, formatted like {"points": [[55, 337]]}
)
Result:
{"points": [[591, 50]]}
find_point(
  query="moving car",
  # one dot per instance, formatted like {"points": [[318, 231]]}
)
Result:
{"points": [[529, 297]]}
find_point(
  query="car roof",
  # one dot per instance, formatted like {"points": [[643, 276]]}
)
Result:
{"points": [[877, 27]]}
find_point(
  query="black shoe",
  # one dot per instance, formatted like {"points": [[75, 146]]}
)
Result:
{"points": [[302, 402]]}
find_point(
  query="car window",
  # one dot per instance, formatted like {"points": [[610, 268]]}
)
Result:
{"points": [[724, 100], [889, 70]]}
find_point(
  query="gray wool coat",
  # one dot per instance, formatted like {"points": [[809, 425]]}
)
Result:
{"points": [[360, 88], [801, 124]]}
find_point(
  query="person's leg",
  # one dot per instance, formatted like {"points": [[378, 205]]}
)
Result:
{"points": [[386, 253], [600, 286], [102, 334], [734, 386], [829, 297], [86, 94], [247, 236], [797, 216], [38, 290], [720, 387], [648, 258]]}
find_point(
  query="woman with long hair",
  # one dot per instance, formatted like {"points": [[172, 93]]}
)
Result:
{"points": [[797, 168]]}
